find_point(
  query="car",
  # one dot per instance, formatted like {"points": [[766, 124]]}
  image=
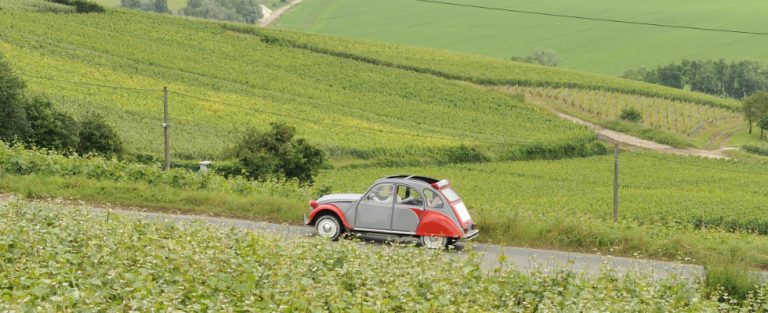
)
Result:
{"points": [[402, 205]]}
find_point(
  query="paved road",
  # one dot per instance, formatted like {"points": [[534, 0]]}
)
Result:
{"points": [[523, 259]]}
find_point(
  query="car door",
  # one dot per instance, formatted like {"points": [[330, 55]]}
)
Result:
{"points": [[409, 207], [374, 210]]}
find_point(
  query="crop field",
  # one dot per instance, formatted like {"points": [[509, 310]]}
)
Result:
{"points": [[588, 45], [346, 107], [62, 258], [678, 117]]}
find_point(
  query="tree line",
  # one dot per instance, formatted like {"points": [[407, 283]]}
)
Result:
{"points": [[735, 79]]}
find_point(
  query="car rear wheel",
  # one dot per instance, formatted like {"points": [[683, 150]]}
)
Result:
{"points": [[434, 242], [328, 227]]}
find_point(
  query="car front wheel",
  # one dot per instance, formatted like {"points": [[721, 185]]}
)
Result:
{"points": [[434, 242], [328, 227]]}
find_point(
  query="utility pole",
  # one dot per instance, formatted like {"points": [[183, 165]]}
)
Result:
{"points": [[165, 129], [615, 182]]}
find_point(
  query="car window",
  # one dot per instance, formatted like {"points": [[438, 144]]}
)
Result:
{"points": [[408, 196], [382, 193], [433, 200]]}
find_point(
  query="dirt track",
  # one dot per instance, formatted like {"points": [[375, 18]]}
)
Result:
{"points": [[277, 13]]}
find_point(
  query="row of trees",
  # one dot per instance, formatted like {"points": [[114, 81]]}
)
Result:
{"points": [[158, 6], [735, 79], [35, 121]]}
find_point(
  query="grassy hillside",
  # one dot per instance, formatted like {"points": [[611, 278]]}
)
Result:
{"points": [[345, 106], [593, 46]]}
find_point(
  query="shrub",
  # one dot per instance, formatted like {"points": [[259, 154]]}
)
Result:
{"points": [[81, 6], [245, 11], [50, 129], [96, 136], [462, 154], [546, 57], [13, 118], [631, 115], [277, 153], [729, 281], [756, 149], [159, 6]]}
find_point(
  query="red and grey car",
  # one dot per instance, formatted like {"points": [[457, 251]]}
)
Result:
{"points": [[402, 205]]}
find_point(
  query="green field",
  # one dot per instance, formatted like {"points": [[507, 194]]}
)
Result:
{"points": [[601, 47]]}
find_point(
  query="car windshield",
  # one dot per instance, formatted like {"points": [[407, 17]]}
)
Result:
{"points": [[450, 194]]}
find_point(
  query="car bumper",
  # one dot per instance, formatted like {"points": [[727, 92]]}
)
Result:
{"points": [[471, 234]]}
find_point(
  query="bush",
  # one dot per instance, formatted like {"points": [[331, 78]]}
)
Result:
{"points": [[244, 11], [756, 149], [50, 129], [631, 115], [276, 153], [546, 57], [462, 154], [13, 118], [96, 136], [81, 6]]}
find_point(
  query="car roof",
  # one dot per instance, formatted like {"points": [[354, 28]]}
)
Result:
{"points": [[421, 181]]}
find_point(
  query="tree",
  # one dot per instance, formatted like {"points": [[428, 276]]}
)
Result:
{"points": [[755, 108], [50, 128], [277, 153], [13, 118], [245, 11], [763, 125], [96, 136]]}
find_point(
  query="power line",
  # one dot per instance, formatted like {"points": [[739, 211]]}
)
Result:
{"points": [[597, 19], [87, 83], [368, 129]]}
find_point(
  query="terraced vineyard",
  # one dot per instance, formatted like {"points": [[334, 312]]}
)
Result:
{"points": [[347, 107], [124, 263], [678, 117]]}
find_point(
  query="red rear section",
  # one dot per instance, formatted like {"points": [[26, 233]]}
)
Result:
{"points": [[434, 223]]}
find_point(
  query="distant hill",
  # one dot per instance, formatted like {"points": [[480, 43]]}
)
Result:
{"points": [[595, 46]]}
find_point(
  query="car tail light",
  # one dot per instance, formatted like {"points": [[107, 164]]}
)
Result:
{"points": [[313, 203], [441, 184]]}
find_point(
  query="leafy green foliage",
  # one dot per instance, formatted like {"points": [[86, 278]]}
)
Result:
{"points": [[127, 263], [81, 6], [631, 115], [755, 108], [276, 153], [13, 117], [716, 77], [51, 129], [756, 149], [96, 136], [730, 281]]}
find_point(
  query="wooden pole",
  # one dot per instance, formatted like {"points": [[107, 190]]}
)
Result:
{"points": [[165, 129], [615, 182]]}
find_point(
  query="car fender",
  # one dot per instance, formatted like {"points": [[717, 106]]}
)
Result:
{"points": [[435, 223], [328, 207]]}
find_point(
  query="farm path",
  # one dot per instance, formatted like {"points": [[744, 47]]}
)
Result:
{"points": [[622, 138], [523, 259], [277, 13]]}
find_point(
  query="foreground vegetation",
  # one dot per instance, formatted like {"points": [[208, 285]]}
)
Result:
{"points": [[585, 45], [64, 258]]}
